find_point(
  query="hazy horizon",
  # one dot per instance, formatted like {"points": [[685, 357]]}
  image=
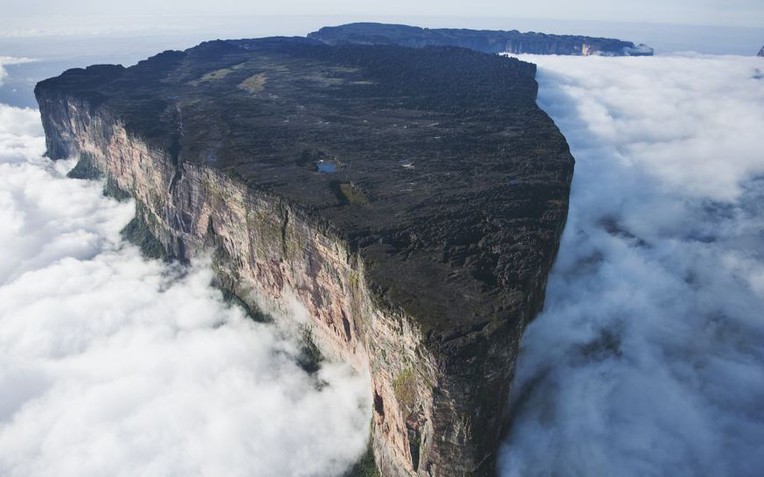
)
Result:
{"points": [[715, 12], [58, 43]]}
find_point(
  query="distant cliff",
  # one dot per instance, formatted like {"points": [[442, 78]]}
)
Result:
{"points": [[486, 41], [409, 202], [761, 52]]}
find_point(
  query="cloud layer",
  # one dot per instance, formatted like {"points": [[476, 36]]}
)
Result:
{"points": [[649, 358], [113, 365], [8, 60]]}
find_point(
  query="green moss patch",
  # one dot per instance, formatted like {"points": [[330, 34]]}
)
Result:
{"points": [[254, 84], [404, 388], [138, 234], [85, 168], [348, 193]]}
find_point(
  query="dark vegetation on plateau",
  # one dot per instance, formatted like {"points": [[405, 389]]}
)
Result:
{"points": [[435, 164]]}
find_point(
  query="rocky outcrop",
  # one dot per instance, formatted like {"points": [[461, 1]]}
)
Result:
{"points": [[761, 52], [486, 41], [408, 216]]}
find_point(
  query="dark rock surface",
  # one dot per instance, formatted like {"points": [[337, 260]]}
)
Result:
{"points": [[448, 178], [486, 41], [434, 166]]}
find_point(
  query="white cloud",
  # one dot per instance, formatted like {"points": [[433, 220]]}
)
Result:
{"points": [[113, 365], [7, 60], [649, 358]]}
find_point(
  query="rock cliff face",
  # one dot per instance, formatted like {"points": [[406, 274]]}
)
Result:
{"points": [[408, 202], [761, 52], [486, 41]]}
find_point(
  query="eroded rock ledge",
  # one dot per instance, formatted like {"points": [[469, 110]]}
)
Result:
{"points": [[410, 201]]}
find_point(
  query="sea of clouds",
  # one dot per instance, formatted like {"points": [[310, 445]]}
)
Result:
{"points": [[649, 357], [114, 365]]}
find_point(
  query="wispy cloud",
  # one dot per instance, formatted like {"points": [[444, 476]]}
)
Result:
{"points": [[649, 358], [113, 365], [8, 60]]}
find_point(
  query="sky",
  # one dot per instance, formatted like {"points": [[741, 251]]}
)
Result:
{"points": [[648, 358], [694, 12]]}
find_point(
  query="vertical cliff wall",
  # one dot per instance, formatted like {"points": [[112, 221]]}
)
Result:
{"points": [[439, 388]]}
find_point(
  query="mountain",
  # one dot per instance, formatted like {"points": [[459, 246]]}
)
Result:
{"points": [[486, 41], [407, 202]]}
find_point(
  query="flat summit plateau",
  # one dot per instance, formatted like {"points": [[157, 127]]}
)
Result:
{"points": [[433, 166]]}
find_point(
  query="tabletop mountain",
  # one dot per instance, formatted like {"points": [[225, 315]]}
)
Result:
{"points": [[486, 41], [408, 202]]}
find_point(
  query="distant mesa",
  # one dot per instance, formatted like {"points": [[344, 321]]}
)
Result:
{"points": [[761, 52], [486, 41]]}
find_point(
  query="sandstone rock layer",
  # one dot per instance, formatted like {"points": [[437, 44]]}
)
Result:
{"points": [[408, 202]]}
